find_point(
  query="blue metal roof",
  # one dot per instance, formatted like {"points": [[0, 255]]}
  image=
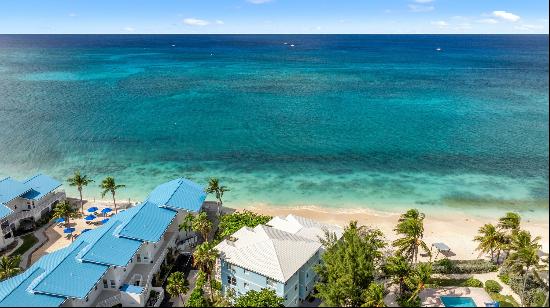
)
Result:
{"points": [[148, 223], [180, 194], [71, 278], [19, 297], [11, 189], [73, 271], [4, 211], [109, 249], [40, 185]]}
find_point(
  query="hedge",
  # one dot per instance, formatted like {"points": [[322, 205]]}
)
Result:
{"points": [[492, 286], [446, 266], [473, 283]]}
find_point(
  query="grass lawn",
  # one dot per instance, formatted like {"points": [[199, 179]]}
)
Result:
{"points": [[505, 301], [28, 241]]}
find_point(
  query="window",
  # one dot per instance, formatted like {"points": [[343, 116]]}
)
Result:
{"points": [[271, 283], [113, 284], [245, 272], [86, 298], [138, 257], [105, 285], [246, 286], [231, 280], [295, 287]]}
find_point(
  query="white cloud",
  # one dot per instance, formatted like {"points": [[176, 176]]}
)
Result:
{"points": [[440, 23], [421, 8], [423, 1], [129, 29], [489, 21], [259, 1], [73, 14], [196, 22], [220, 22], [506, 16]]}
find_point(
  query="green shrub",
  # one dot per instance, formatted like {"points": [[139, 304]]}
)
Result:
{"points": [[473, 283], [504, 301], [536, 297], [446, 266], [493, 286], [505, 278], [405, 300], [196, 299]]}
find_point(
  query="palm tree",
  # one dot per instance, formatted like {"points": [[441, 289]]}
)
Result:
{"points": [[511, 221], [374, 295], [204, 257], [215, 188], [411, 226], [490, 240], [202, 225], [187, 223], [177, 285], [510, 224], [420, 277], [79, 181], [9, 266], [524, 256], [398, 268], [109, 185], [66, 211]]}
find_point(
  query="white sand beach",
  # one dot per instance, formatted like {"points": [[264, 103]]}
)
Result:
{"points": [[457, 231]]}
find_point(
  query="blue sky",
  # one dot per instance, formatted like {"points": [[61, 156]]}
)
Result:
{"points": [[273, 16]]}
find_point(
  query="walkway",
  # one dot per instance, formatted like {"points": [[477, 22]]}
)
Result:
{"points": [[26, 258]]}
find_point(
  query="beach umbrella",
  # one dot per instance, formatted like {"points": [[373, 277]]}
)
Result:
{"points": [[68, 230], [60, 220], [90, 217], [92, 209], [104, 221], [85, 230], [106, 210]]}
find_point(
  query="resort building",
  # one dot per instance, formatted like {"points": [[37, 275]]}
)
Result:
{"points": [[115, 263], [23, 203], [280, 255]]}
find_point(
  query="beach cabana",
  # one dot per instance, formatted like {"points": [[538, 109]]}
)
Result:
{"points": [[93, 209], [90, 217], [441, 248], [104, 221], [60, 220]]}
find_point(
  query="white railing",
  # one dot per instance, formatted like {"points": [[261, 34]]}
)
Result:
{"points": [[111, 301]]}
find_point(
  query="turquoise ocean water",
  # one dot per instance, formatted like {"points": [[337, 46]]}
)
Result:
{"points": [[383, 121]]}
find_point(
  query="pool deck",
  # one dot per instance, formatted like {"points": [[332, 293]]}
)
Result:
{"points": [[432, 297]]}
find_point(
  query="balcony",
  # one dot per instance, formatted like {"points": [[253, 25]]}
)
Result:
{"points": [[39, 206]]}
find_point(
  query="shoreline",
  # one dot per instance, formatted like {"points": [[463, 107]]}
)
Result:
{"points": [[454, 229]]}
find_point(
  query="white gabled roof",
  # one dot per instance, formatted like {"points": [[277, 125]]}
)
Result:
{"points": [[273, 253], [304, 227]]}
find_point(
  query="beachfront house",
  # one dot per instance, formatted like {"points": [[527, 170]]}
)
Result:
{"points": [[23, 203], [112, 264], [280, 255]]}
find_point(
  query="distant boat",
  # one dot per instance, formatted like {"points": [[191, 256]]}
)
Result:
{"points": [[291, 45], [438, 49], [285, 43], [173, 45]]}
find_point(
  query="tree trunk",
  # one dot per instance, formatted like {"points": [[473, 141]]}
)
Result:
{"points": [[81, 203], [498, 257], [210, 287], [114, 202], [524, 285]]}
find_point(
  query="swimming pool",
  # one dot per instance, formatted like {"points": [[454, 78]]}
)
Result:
{"points": [[456, 301]]}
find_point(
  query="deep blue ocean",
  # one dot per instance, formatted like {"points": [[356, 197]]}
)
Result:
{"points": [[348, 121]]}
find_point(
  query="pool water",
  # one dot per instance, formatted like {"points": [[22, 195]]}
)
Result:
{"points": [[455, 301]]}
